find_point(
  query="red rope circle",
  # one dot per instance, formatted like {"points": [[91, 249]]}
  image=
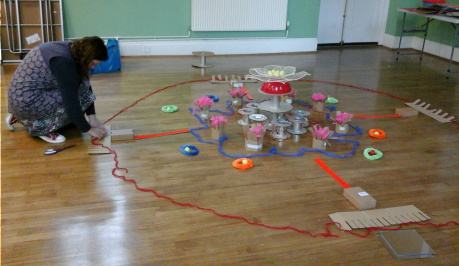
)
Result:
{"points": [[327, 229]]}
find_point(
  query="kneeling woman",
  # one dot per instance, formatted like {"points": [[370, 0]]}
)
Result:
{"points": [[50, 89]]}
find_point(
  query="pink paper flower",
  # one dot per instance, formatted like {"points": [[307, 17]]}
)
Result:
{"points": [[342, 118], [318, 97], [321, 133], [237, 92], [292, 93], [216, 121], [205, 101], [258, 130]]}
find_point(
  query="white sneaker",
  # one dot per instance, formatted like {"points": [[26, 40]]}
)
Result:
{"points": [[10, 120], [53, 137]]}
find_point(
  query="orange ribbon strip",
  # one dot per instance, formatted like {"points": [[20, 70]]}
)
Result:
{"points": [[248, 94], [331, 173]]}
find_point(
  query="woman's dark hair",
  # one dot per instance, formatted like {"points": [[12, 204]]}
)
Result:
{"points": [[87, 49]]}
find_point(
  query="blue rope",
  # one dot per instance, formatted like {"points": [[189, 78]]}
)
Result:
{"points": [[228, 105], [300, 102], [273, 150], [246, 102], [206, 126], [192, 150], [213, 98]]}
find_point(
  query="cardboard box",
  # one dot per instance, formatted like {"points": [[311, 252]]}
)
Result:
{"points": [[252, 145], [252, 142], [318, 144], [359, 198], [316, 116], [122, 134], [218, 132], [318, 106], [407, 111], [342, 129]]}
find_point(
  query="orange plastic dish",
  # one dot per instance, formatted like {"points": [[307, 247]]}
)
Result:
{"points": [[243, 163], [377, 133]]}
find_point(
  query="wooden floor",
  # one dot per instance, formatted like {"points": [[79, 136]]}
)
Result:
{"points": [[68, 209]]}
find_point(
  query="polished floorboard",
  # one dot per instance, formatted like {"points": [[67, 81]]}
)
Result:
{"points": [[73, 208]]}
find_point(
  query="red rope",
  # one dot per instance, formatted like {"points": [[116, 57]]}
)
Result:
{"points": [[154, 92], [356, 87], [161, 134], [327, 229], [183, 204]]}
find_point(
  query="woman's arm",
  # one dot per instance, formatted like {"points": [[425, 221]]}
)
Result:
{"points": [[68, 81]]}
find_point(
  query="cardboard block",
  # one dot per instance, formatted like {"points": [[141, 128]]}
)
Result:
{"points": [[217, 133], [407, 111], [359, 198], [122, 134]]}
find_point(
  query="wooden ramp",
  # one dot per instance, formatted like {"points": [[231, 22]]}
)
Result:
{"points": [[434, 113]]}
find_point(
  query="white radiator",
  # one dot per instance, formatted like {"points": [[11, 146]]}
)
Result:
{"points": [[238, 15]]}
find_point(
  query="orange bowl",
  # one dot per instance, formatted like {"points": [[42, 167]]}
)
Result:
{"points": [[276, 87], [240, 164]]}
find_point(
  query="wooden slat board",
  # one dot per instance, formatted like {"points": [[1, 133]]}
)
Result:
{"points": [[226, 79]]}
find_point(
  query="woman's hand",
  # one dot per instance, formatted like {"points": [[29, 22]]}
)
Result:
{"points": [[97, 133], [96, 124]]}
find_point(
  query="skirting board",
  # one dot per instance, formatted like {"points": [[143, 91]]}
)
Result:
{"points": [[217, 46], [413, 42]]}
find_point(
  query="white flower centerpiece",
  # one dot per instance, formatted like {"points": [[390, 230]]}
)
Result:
{"points": [[276, 83], [275, 73]]}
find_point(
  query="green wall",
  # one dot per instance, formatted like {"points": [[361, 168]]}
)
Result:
{"points": [[439, 31], [442, 32], [172, 18], [167, 18], [394, 18], [125, 17]]}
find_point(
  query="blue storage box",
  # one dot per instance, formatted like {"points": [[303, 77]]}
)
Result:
{"points": [[114, 58]]}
